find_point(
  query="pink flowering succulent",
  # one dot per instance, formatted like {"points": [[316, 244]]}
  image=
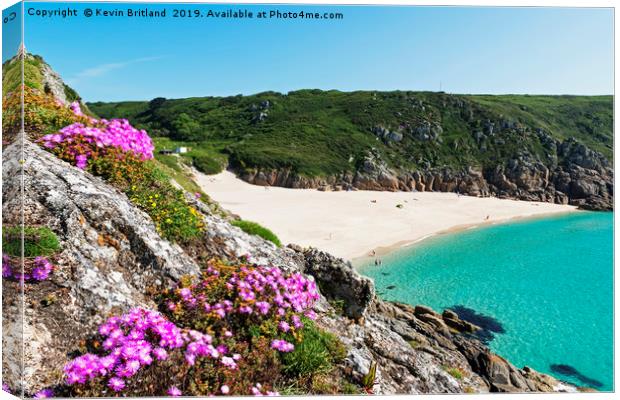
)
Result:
{"points": [[36, 271], [131, 342], [205, 333], [257, 294], [174, 391], [79, 142]]}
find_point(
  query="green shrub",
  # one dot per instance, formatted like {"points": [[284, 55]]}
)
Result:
{"points": [[317, 352], [38, 241], [350, 388], [455, 372], [207, 165], [253, 228]]}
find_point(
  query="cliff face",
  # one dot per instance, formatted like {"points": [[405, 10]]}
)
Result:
{"points": [[112, 259], [546, 148], [583, 178]]}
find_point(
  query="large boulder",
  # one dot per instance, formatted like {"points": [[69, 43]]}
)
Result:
{"points": [[339, 281]]}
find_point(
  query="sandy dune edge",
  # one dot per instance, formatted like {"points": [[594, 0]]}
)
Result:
{"points": [[351, 224]]}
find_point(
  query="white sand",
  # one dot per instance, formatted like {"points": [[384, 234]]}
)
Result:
{"points": [[350, 224]]}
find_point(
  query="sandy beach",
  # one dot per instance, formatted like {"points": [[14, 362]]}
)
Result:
{"points": [[352, 224]]}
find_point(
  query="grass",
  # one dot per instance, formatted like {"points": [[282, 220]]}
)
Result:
{"points": [[254, 228], [316, 354], [11, 74], [205, 158], [414, 344], [456, 373], [38, 241]]}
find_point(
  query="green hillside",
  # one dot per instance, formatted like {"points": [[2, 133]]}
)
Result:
{"points": [[319, 133], [34, 68]]}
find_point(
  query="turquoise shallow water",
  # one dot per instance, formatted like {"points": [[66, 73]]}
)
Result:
{"points": [[547, 283]]}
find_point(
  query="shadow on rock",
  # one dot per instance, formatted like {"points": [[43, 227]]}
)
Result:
{"points": [[567, 370], [489, 326]]}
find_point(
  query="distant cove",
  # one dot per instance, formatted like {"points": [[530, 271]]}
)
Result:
{"points": [[541, 289]]}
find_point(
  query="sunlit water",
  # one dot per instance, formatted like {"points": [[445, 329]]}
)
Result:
{"points": [[545, 284]]}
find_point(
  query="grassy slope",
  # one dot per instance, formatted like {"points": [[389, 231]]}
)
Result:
{"points": [[325, 132], [33, 77]]}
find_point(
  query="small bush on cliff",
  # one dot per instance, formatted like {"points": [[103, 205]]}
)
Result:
{"points": [[317, 353], [38, 241], [456, 373], [254, 228]]}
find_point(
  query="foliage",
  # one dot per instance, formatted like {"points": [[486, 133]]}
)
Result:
{"points": [[456, 373], [116, 151], [368, 381], [254, 228], [37, 241], [220, 334], [317, 352], [12, 74], [150, 189], [42, 114], [318, 133], [78, 142], [143, 353], [207, 165]]}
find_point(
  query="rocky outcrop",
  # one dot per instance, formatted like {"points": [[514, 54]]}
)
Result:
{"points": [[417, 349], [575, 175], [112, 258], [338, 281], [53, 83]]}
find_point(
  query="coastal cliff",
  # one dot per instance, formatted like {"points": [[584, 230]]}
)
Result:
{"points": [[584, 179], [126, 244], [554, 149], [113, 259]]}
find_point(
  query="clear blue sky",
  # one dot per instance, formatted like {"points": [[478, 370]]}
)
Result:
{"points": [[468, 50]]}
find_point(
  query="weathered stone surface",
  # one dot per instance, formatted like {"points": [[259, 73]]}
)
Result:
{"points": [[53, 83], [338, 280]]}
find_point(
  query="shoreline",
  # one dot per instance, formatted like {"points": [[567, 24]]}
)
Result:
{"points": [[382, 251], [350, 224]]}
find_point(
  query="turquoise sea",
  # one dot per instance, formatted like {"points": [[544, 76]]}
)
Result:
{"points": [[542, 288]]}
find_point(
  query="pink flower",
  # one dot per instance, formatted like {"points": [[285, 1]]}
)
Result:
{"points": [[81, 161], [160, 354], [282, 345], [75, 107], [44, 394], [174, 391], [116, 384], [284, 326], [263, 307], [225, 389]]}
